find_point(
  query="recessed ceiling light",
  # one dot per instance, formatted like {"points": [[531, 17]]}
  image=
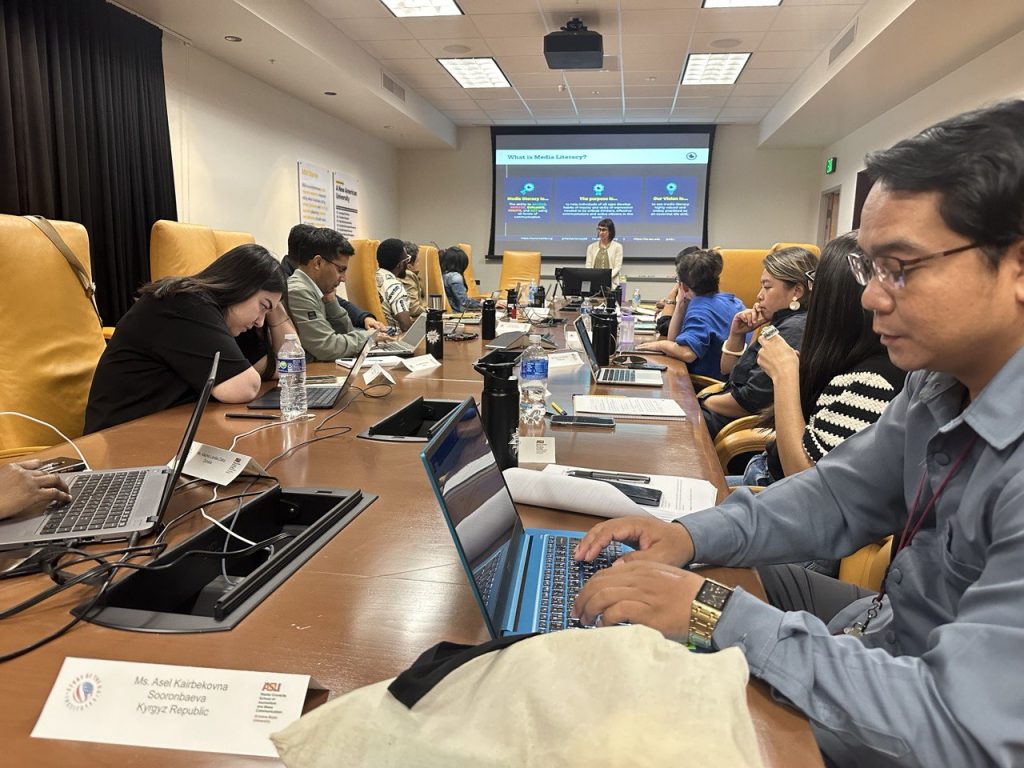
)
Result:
{"points": [[651, 79], [741, 3], [406, 8], [476, 73], [330, 93], [233, 38], [713, 68]]}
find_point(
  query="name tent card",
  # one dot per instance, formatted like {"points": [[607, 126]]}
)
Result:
{"points": [[377, 375], [218, 465], [422, 363], [159, 705], [536, 450]]}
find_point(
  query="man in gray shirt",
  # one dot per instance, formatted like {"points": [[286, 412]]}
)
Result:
{"points": [[932, 673]]}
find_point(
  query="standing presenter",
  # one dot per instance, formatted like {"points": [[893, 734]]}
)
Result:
{"points": [[606, 253]]}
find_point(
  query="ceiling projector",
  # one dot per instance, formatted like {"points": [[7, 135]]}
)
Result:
{"points": [[574, 47]]}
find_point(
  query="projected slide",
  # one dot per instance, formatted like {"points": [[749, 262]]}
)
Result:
{"points": [[551, 189]]}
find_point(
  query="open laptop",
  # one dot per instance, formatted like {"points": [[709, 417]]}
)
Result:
{"points": [[616, 376], [316, 397], [524, 579], [406, 346], [111, 503]]}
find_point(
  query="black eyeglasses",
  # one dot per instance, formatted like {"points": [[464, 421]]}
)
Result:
{"points": [[891, 271], [629, 361]]}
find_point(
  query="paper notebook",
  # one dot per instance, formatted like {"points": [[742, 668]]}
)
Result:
{"points": [[628, 407]]}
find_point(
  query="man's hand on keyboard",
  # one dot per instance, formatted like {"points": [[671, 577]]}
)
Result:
{"points": [[653, 540], [653, 594], [26, 489]]}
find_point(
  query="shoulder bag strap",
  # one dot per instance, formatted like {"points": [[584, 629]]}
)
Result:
{"points": [[83, 277]]}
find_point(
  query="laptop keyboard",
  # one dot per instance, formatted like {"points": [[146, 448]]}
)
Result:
{"points": [[321, 397], [486, 576], [100, 502], [391, 347], [618, 375], [563, 578]]}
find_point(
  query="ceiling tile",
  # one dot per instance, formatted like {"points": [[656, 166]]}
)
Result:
{"points": [[523, 64], [516, 46], [650, 91], [395, 49], [715, 102], [735, 19], [536, 79], [475, 7], [603, 20], [751, 101], [592, 78], [477, 47], [656, 44], [601, 104], [648, 103], [781, 59], [351, 9], [770, 75], [420, 80], [426, 65], [561, 121], [568, 8], [832, 17], [661, 77], [641, 114], [797, 40], [511, 25], [773, 90], [375, 29], [745, 41], [452, 95], [699, 91], [658, 22], [647, 61], [540, 109], [439, 27], [544, 92], [481, 95], [656, 4]]}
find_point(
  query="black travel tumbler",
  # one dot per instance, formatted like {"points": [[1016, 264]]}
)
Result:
{"points": [[499, 406], [487, 319], [604, 326], [435, 333]]}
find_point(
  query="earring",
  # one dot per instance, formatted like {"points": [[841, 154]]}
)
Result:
{"points": [[794, 305]]}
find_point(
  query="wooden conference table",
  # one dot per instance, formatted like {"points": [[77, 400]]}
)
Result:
{"points": [[380, 593]]}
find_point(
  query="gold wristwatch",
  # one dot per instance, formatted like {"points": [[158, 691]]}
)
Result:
{"points": [[706, 610]]}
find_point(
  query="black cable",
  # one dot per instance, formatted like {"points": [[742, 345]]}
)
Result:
{"points": [[209, 503]]}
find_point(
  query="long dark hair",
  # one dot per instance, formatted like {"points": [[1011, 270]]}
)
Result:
{"points": [[838, 335], [230, 279], [454, 259], [611, 228]]}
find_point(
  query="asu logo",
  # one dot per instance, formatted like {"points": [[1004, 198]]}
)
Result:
{"points": [[433, 337], [272, 687], [82, 692]]}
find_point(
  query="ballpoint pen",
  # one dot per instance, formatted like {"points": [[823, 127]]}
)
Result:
{"points": [[613, 476], [265, 416], [557, 408]]}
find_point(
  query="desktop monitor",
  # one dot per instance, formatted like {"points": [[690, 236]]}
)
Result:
{"points": [[583, 281]]}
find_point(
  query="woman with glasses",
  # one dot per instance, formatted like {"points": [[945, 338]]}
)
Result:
{"points": [[605, 253], [840, 382], [782, 300], [161, 353]]}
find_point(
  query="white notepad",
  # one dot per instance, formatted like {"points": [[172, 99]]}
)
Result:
{"points": [[628, 407]]}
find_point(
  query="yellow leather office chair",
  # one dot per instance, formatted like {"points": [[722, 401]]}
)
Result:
{"points": [[806, 246], [50, 329], [472, 289], [866, 567], [701, 383], [361, 281], [431, 261], [519, 268], [176, 248], [741, 272]]}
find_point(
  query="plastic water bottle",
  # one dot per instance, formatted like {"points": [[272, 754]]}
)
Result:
{"points": [[622, 290], [627, 337], [533, 382], [531, 293], [635, 304], [291, 373]]}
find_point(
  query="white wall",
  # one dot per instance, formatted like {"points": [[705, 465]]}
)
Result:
{"points": [[993, 76], [235, 142], [758, 197]]}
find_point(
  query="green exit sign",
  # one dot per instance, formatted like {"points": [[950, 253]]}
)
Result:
{"points": [[830, 165]]}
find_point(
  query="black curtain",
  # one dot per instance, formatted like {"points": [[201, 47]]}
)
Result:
{"points": [[83, 131]]}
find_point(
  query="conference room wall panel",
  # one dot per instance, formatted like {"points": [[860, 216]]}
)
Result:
{"points": [[758, 197], [235, 142], [992, 76]]}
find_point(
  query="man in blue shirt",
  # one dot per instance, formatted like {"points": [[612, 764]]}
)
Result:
{"points": [[701, 319], [928, 672]]}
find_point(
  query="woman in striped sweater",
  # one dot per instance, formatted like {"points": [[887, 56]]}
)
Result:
{"points": [[837, 385]]}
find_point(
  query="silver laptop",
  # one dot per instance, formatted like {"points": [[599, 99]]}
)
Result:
{"points": [[615, 376], [406, 346], [112, 503]]}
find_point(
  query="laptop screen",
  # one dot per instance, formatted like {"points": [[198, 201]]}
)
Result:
{"points": [[475, 500], [588, 347]]}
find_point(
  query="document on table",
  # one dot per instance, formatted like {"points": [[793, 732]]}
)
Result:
{"points": [[629, 407]]}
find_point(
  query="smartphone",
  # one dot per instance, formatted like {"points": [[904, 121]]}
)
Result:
{"points": [[62, 464], [654, 367], [648, 497], [565, 420], [322, 381]]}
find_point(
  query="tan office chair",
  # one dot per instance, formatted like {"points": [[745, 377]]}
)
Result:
{"points": [[361, 280], [176, 248], [867, 566], [741, 272], [472, 289], [431, 261], [519, 268], [806, 246], [49, 334]]}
